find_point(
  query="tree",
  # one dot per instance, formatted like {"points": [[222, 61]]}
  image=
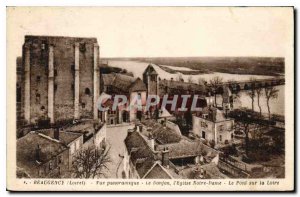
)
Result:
{"points": [[202, 81], [215, 83], [270, 93], [90, 163], [244, 118], [259, 93], [189, 119], [179, 77], [251, 92], [190, 79]]}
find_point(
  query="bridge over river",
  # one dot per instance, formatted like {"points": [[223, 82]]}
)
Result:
{"points": [[248, 84]]}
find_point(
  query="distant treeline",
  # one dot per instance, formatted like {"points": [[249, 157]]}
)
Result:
{"points": [[235, 65], [105, 69]]}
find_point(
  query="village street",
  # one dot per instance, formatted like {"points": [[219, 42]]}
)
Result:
{"points": [[115, 139]]}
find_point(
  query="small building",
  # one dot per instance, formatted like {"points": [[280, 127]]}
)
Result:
{"points": [[135, 91], [142, 162], [49, 153], [39, 156], [212, 125]]}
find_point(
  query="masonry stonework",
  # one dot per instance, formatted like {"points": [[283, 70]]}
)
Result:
{"points": [[59, 81]]}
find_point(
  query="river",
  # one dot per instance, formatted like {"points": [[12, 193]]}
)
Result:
{"points": [[276, 105]]}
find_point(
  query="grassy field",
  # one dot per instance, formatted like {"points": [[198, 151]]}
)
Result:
{"points": [[234, 65]]}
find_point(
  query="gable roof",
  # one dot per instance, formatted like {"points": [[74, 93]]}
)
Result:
{"points": [[149, 70], [137, 85], [157, 172]]}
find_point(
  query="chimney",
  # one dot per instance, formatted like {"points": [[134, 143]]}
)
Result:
{"points": [[165, 157], [38, 153], [165, 122], [151, 141], [56, 133]]}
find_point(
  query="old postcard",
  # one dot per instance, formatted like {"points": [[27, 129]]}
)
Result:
{"points": [[150, 98]]}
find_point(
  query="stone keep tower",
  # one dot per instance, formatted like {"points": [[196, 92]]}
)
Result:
{"points": [[150, 78], [61, 78]]}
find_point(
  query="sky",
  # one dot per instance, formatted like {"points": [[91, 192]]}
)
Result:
{"points": [[160, 32]]}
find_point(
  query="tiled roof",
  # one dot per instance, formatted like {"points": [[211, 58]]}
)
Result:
{"points": [[137, 85], [183, 149], [157, 172], [164, 113], [122, 82], [162, 134], [64, 137], [213, 114], [26, 151], [84, 127], [141, 154]]}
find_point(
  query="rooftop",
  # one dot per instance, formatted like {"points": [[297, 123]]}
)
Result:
{"points": [[64, 136], [124, 83], [26, 151], [212, 114], [59, 38], [161, 133], [183, 149], [141, 154]]}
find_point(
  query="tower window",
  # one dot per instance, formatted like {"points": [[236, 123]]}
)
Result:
{"points": [[43, 46], [55, 87], [38, 79], [43, 108], [153, 78], [87, 91], [83, 105], [139, 95], [82, 47], [38, 98], [19, 93]]}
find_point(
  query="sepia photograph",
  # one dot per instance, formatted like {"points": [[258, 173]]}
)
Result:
{"points": [[150, 98]]}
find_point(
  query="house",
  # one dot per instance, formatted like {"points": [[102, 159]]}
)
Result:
{"points": [[49, 153], [212, 125], [142, 162], [39, 156], [151, 143]]}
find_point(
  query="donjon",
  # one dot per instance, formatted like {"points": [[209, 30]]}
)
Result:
{"points": [[60, 78]]}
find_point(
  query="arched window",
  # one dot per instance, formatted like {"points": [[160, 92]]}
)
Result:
{"points": [[38, 79], [43, 108], [87, 91]]}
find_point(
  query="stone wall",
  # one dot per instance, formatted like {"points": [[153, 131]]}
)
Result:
{"points": [[64, 76]]}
